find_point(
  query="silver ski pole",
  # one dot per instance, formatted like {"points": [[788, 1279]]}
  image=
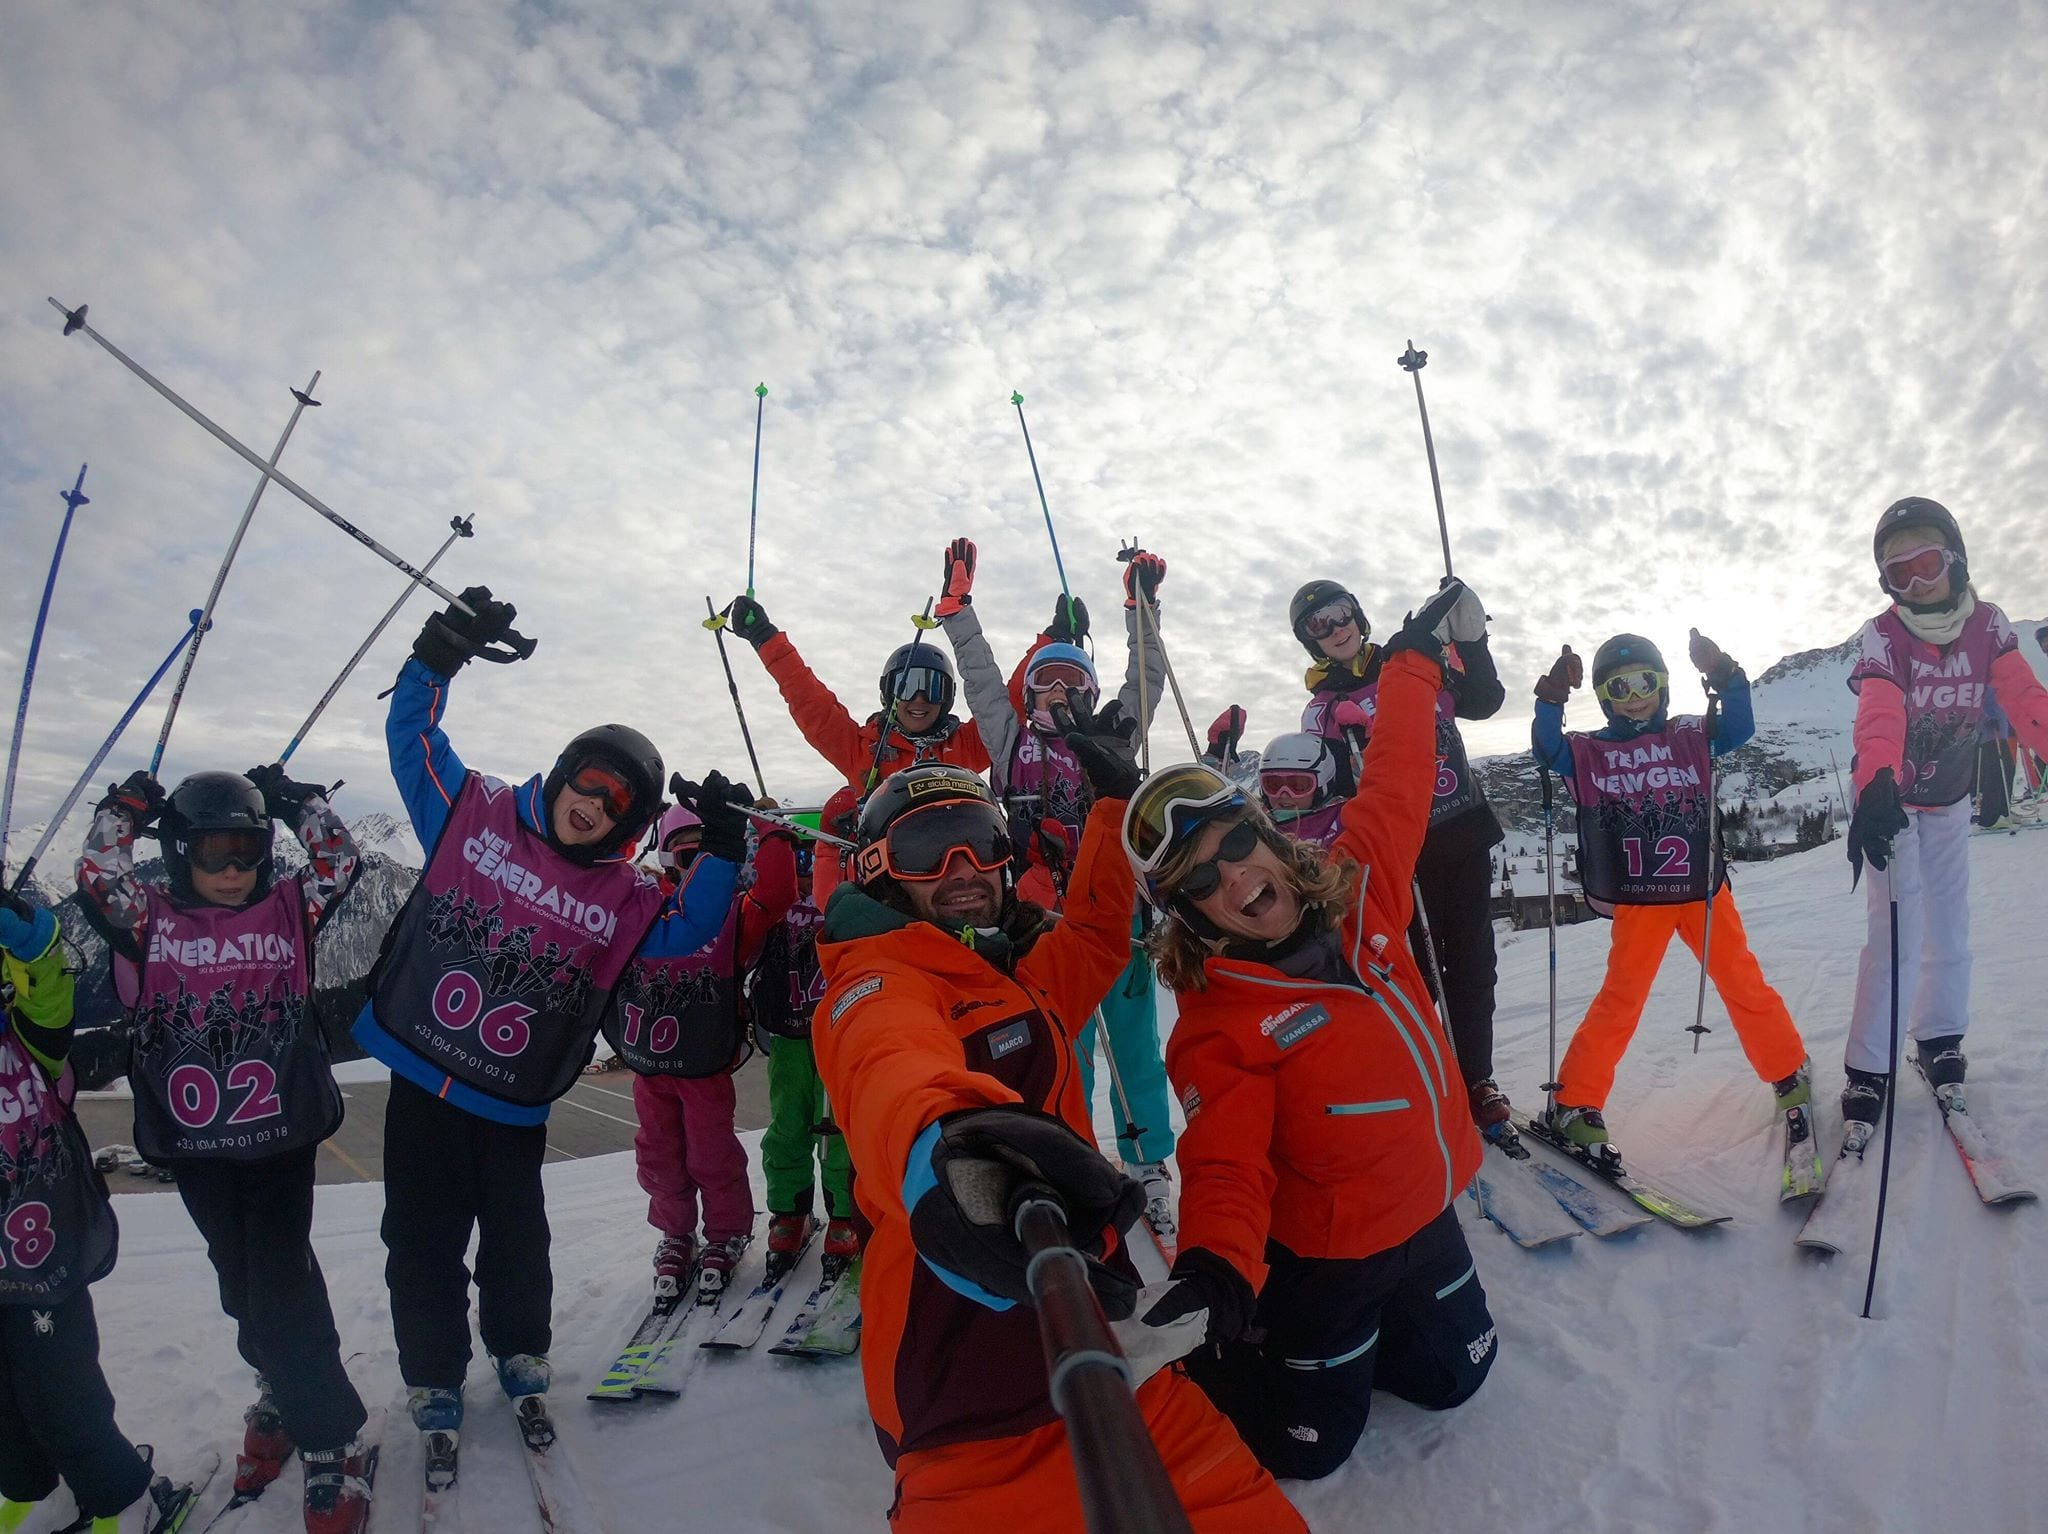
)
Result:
{"points": [[302, 398], [1165, 660], [795, 828], [1412, 363], [464, 527], [74, 320], [1436, 972], [1144, 695], [1699, 1016], [1132, 1131]]}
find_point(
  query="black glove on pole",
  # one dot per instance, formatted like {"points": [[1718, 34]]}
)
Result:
{"points": [[716, 802], [282, 798], [1101, 739], [1878, 820], [452, 638]]}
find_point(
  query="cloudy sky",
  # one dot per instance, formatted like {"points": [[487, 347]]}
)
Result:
{"points": [[1703, 289]]}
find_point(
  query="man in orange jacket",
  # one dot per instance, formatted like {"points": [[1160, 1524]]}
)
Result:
{"points": [[945, 1042]]}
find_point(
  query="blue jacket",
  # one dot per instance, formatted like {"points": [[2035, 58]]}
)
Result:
{"points": [[429, 776], [1735, 724]]}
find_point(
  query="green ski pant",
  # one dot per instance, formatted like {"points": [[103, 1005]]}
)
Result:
{"points": [[1131, 1017], [796, 1107]]}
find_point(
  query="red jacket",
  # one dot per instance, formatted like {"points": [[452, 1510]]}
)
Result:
{"points": [[1331, 1118]]}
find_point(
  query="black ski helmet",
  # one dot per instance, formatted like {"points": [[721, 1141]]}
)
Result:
{"points": [[1624, 652], [928, 657], [632, 754], [915, 788], [1919, 511], [210, 801], [1321, 594]]}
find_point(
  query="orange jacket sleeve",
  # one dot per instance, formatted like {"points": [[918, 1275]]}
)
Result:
{"points": [[820, 717], [1077, 962], [1879, 736], [2023, 698], [773, 893], [1227, 1179], [1383, 823], [891, 1065]]}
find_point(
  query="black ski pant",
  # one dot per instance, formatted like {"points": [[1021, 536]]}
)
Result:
{"points": [[1411, 1320], [57, 1414], [1457, 894], [257, 1218], [446, 1173]]}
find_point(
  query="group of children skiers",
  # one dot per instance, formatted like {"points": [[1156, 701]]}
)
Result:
{"points": [[1320, 909]]}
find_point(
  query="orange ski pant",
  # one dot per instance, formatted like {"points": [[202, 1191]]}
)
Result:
{"points": [[1026, 1485], [1642, 933]]}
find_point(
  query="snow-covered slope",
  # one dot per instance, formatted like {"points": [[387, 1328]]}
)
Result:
{"points": [[1658, 1381]]}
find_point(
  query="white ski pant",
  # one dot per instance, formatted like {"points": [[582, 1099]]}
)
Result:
{"points": [[1930, 872]]}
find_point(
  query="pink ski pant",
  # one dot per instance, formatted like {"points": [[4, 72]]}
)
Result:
{"points": [[687, 1152]]}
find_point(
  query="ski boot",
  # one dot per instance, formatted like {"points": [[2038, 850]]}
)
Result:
{"points": [[1942, 1063], [165, 1506], [842, 1245], [714, 1272], [788, 1235], [1584, 1131], [265, 1447], [1862, 1106], [526, 1377], [1158, 1185], [338, 1488], [1794, 1098], [675, 1261], [438, 1416], [1490, 1106]]}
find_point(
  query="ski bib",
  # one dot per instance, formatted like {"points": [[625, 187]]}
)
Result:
{"points": [[1457, 787], [229, 1061], [1947, 688], [1317, 827], [503, 961], [681, 1016], [1046, 782], [787, 984], [57, 1231], [1643, 817]]}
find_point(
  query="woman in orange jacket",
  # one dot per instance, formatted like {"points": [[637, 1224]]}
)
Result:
{"points": [[1328, 1132], [945, 1041]]}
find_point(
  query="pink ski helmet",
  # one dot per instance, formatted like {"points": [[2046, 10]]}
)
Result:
{"points": [[679, 817]]}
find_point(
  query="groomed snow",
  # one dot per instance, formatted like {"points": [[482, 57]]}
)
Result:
{"points": [[1657, 1381]]}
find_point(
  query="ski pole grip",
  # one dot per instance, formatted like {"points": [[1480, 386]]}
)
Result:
{"points": [[516, 647]]}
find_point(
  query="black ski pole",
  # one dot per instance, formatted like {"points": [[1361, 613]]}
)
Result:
{"points": [[717, 626], [1551, 1086], [1699, 1015], [1412, 362], [1891, 1099], [1124, 1485]]}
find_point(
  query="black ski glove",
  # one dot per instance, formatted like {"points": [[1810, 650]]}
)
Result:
{"points": [[1069, 621], [452, 638], [716, 802], [1104, 741], [749, 620], [1204, 1281], [960, 1200], [282, 798], [1427, 630], [1878, 820], [140, 795]]}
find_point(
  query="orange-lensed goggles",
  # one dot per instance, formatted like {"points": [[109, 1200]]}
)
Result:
{"points": [[594, 780], [921, 843]]}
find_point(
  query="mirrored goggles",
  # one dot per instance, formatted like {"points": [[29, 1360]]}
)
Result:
{"points": [[1296, 785], [1203, 880], [1918, 567], [921, 843], [1624, 685], [1061, 673], [594, 780], [216, 852], [1330, 617], [927, 682], [1168, 804]]}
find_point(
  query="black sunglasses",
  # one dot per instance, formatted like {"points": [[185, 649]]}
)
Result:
{"points": [[1202, 881]]}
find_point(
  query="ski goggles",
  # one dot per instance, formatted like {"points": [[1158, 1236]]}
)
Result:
{"points": [[1918, 567], [1170, 803], [1289, 783], [1060, 673], [594, 780], [681, 849], [1203, 880], [927, 682], [217, 852], [1634, 683], [921, 843], [1329, 618]]}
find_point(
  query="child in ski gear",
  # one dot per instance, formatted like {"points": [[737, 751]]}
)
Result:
{"points": [[56, 1412], [783, 992], [1040, 783], [945, 1043], [1327, 1129], [233, 1085], [1455, 872], [915, 723], [676, 1022], [1929, 667], [1303, 784], [1646, 824], [487, 999]]}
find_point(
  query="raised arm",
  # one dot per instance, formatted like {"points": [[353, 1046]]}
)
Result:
{"points": [[1383, 823], [424, 765], [109, 893], [1077, 962], [987, 692]]}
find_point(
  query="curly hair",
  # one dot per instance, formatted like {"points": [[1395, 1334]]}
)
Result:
{"points": [[1324, 884]]}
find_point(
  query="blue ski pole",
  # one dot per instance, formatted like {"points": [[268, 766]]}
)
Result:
{"points": [[74, 498], [754, 504], [50, 831], [1058, 564], [303, 397]]}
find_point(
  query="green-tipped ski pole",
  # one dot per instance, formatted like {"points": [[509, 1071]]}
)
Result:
{"points": [[754, 505], [716, 624]]}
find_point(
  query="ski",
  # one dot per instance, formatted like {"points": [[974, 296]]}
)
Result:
{"points": [[1989, 1175], [171, 1510], [663, 1320], [828, 1326], [440, 1512], [1524, 1210], [750, 1318], [1597, 1212], [1804, 1172], [1665, 1206], [559, 1496], [1844, 1208]]}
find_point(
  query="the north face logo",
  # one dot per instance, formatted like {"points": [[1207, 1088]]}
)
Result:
{"points": [[1305, 1434]]}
